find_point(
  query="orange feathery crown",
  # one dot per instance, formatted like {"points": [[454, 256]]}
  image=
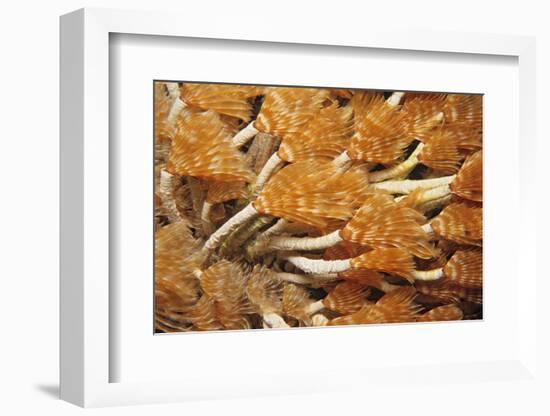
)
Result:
{"points": [[447, 292], [468, 184], [388, 260], [265, 291], [344, 250], [465, 268], [379, 132], [442, 313], [225, 282], [396, 306], [313, 192], [466, 139], [176, 288], [347, 250], [202, 147], [231, 100], [225, 191], [204, 316], [461, 223], [285, 111], [295, 301], [421, 113], [441, 152], [326, 135], [380, 222], [463, 110], [174, 248], [346, 297], [163, 104]]}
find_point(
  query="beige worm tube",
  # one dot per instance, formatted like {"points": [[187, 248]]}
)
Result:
{"points": [[409, 185], [241, 217], [243, 136]]}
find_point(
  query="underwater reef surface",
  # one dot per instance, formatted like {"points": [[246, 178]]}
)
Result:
{"points": [[279, 207]]}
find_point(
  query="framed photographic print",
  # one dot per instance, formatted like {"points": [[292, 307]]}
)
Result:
{"points": [[273, 214], [280, 207]]}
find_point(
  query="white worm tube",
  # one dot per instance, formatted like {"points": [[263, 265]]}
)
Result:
{"points": [[408, 185], [427, 228], [177, 107], [312, 266], [400, 170], [276, 228], [241, 217], [341, 159], [303, 279], [197, 195], [166, 190], [319, 320], [436, 203], [435, 193], [429, 195], [388, 287], [243, 136], [207, 225], [273, 320], [272, 164], [315, 307], [305, 243], [173, 89], [259, 246], [395, 98], [428, 275]]}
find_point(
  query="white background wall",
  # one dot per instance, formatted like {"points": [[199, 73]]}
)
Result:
{"points": [[29, 193]]}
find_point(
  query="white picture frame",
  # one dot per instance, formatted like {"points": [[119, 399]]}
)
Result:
{"points": [[86, 356]]}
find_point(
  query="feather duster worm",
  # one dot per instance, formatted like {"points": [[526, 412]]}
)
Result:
{"points": [[285, 111], [400, 170], [230, 100], [204, 316], [296, 303], [202, 148], [219, 192], [265, 292], [461, 223], [468, 184], [464, 111], [312, 192], [383, 131], [225, 284], [308, 192], [396, 306], [388, 260], [441, 153], [465, 268], [325, 136], [379, 135], [346, 298], [163, 103], [178, 255], [447, 292], [421, 113], [380, 222], [345, 250], [442, 313]]}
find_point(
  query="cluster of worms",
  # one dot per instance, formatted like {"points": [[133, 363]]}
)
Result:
{"points": [[280, 207]]}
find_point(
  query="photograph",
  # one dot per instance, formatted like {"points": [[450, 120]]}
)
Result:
{"points": [[293, 206]]}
